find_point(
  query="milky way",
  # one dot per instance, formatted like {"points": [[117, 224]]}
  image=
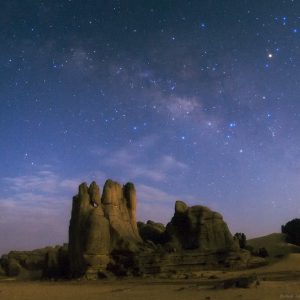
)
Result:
{"points": [[191, 100]]}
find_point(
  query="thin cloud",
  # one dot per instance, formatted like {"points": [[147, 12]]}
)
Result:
{"points": [[42, 182], [182, 106], [132, 161], [168, 162], [148, 193], [35, 210]]}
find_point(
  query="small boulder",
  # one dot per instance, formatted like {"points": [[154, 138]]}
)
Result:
{"points": [[2, 272], [13, 268], [152, 231], [239, 282]]}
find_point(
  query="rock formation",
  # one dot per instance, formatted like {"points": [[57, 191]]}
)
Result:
{"points": [[152, 231], [198, 228], [195, 239], [49, 262], [105, 240], [101, 225]]}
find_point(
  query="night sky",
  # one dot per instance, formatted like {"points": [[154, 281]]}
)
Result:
{"points": [[190, 100]]}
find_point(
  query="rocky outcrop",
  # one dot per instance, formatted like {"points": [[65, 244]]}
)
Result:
{"points": [[89, 234], [119, 206], [49, 262], [196, 239], [198, 228], [105, 239], [152, 231], [100, 226]]}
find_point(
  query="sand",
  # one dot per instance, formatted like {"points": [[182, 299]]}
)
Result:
{"points": [[280, 280], [137, 290]]}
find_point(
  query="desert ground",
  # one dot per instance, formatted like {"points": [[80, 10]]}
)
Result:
{"points": [[138, 290], [279, 280]]}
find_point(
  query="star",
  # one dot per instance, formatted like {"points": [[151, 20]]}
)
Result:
{"points": [[152, 91]]}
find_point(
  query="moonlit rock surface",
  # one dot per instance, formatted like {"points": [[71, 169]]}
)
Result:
{"points": [[198, 227], [100, 225]]}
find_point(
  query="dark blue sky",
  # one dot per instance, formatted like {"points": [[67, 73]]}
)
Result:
{"points": [[191, 100]]}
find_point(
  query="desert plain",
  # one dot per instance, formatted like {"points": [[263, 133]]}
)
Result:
{"points": [[278, 280]]}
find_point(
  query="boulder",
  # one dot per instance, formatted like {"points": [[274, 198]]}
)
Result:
{"points": [[2, 272], [244, 282], [198, 228], [152, 231], [13, 268]]}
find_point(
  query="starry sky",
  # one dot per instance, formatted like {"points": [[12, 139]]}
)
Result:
{"points": [[190, 100]]}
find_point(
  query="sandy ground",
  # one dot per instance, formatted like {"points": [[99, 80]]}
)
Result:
{"points": [[278, 281], [133, 290]]}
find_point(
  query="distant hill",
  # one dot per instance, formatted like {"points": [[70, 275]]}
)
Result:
{"points": [[275, 244]]}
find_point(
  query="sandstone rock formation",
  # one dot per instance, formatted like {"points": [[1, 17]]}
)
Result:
{"points": [[195, 239], [198, 228], [101, 225], [119, 205], [105, 239], [152, 231], [49, 262]]}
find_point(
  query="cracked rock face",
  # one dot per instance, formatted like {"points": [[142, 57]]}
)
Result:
{"points": [[100, 225]]}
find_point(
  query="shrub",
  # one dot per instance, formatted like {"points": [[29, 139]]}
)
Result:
{"points": [[262, 252], [292, 230], [241, 237], [249, 248]]}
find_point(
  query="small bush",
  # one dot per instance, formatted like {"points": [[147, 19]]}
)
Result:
{"points": [[241, 237], [249, 248], [292, 230], [262, 252]]}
